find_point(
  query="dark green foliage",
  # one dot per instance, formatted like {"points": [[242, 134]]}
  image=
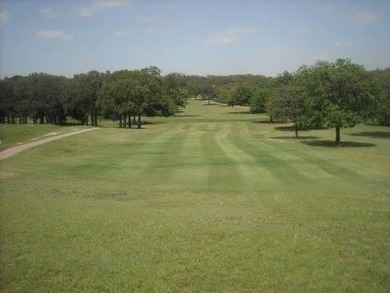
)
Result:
{"points": [[382, 111], [82, 96], [291, 104], [176, 88], [341, 94], [241, 96], [125, 94], [344, 93], [38, 96], [258, 101]]}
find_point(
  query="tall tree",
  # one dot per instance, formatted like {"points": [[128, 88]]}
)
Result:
{"points": [[382, 109], [290, 103], [258, 102], [342, 92], [176, 87], [241, 96], [7, 100], [115, 99], [82, 97], [133, 93]]}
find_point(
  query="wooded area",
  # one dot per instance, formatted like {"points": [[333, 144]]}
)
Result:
{"points": [[336, 94]]}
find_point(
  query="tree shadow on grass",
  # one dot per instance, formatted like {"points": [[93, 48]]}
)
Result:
{"points": [[146, 122], [375, 134], [294, 137], [240, 112], [266, 122], [211, 104], [73, 123], [185, 115], [332, 144], [289, 128]]}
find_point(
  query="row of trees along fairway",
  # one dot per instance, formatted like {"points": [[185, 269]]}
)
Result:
{"points": [[327, 94], [343, 93], [119, 95], [335, 95], [126, 94]]}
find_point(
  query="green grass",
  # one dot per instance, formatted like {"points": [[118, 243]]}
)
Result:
{"points": [[14, 134], [213, 200]]}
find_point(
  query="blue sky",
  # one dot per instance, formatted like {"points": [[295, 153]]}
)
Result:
{"points": [[193, 37]]}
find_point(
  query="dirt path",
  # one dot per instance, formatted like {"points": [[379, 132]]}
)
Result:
{"points": [[20, 148]]}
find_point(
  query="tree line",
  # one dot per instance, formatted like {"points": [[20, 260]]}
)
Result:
{"points": [[122, 95], [336, 94]]}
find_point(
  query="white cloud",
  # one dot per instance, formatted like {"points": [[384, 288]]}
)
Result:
{"points": [[343, 44], [303, 30], [280, 49], [97, 5], [4, 16], [152, 19], [49, 13], [156, 31], [365, 17], [113, 3], [120, 35], [228, 36], [326, 9], [53, 34], [194, 39]]}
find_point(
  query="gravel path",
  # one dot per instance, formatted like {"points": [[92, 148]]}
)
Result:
{"points": [[20, 148]]}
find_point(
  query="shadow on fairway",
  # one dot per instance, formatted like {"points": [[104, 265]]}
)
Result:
{"points": [[150, 123], [133, 128], [332, 144], [375, 134], [293, 137], [288, 128], [185, 115], [73, 124], [240, 112], [266, 122]]}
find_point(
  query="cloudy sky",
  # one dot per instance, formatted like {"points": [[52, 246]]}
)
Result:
{"points": [[190, 36]]}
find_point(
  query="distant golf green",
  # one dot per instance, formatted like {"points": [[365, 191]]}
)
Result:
{"points": [[212, 200]]}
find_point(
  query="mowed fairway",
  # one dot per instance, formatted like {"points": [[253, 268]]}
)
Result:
{"points": [[213, 200]]}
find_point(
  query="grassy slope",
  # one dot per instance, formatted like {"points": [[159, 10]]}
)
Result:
{"points": [[209, 201]]}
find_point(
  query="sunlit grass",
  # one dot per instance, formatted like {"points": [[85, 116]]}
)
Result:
{"points": [[210, 201], [14, 134]]}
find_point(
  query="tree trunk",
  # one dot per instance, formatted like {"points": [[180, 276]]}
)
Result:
{"points": [[96, 115], [296, 130], [139, 121], [129, 121], [337, 134], [120, 122]]}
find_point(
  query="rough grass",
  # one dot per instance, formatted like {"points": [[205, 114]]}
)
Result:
{"points": [[209, 201]]}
